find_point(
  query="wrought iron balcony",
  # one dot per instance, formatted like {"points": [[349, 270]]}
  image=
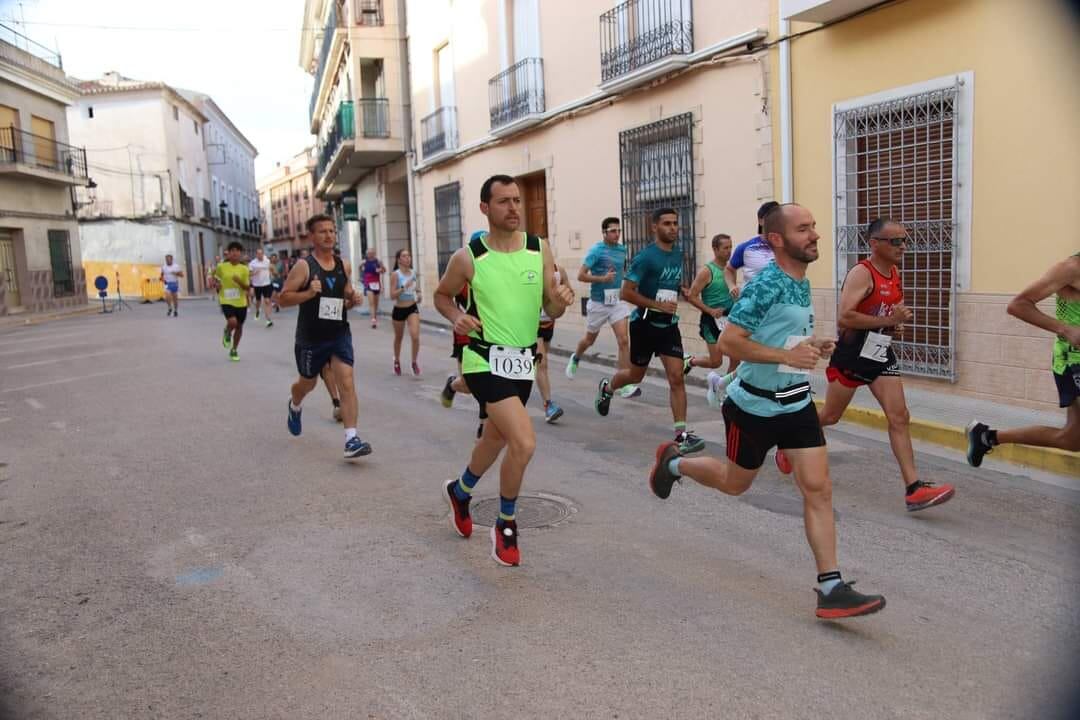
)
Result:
{"points": [[344, 129], [637, 33], [332, 24], [36, 152], [438, 132], [516, 92], [187, 204], [207, 213], [374, 118]]}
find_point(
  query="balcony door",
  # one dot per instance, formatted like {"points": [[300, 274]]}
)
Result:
{"points": [[9, 126], [44, 141], [444, 67]]}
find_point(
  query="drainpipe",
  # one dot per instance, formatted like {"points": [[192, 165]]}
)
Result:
{"points": [[410, 152], [786, 180]]}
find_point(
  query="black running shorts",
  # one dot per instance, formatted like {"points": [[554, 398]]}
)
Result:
{"points": [[750, 437], [231, 311], [852, 370], [647, 340], [400, 314], [262, 292], [488, 388], [1068, 385], [546, 331]]}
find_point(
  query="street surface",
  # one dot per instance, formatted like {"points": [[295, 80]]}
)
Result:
{"points": [[170, 551]]}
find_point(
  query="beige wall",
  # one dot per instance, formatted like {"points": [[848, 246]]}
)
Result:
{"points": [[30, 103], [581, 159], [1023, 58]]}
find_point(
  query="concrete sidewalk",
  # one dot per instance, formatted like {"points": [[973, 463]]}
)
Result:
{"points": [[939, 418]]}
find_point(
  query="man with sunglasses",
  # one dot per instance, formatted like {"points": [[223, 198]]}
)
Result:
{"points": [[871, 312]]}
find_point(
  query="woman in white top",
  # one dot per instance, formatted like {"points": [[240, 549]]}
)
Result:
{"points": [[405, 313]]}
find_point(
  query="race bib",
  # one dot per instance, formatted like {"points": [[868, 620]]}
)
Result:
{"points": [[511, 363], [666, 296], [331, 308], [791, 342], [876, 347], [373, 286], [611, 297], [231, 294]]}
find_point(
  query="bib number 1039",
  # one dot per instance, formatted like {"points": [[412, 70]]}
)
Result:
{"points": [[512, 363]]}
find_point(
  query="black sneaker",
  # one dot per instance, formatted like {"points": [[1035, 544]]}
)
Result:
{"points": [[689, 442], [661, 478], [603, 398], [978, 442], [448, 393], [845, 602]]}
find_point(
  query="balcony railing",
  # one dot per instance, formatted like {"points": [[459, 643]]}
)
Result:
{"points": [[368, 12], [207, 213], [10, 36], [19, 146], [374, 118], [187, 204], [637, 33], [516, 92], [438, 131], [332, 24], [344, 129]]}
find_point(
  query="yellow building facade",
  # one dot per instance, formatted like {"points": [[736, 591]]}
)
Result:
{"points": [[957, 117]]}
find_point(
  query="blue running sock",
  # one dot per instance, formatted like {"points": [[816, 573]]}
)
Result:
{"points": [[673, 466], [827, 581], [464, 486], [507, 508]]}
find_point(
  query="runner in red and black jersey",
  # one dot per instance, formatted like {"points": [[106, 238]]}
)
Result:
{"points": [[871, 311]]}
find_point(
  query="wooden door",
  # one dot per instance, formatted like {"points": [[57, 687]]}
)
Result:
{"points": [[9, 127], [8, 269], [44, 141], [534, 197]]}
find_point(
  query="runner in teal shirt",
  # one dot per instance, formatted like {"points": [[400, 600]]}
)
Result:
{"points": [[770, 331], [652, 285]]}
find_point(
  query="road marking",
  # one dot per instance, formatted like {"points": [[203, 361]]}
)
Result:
{"points": [[60, 359], [42, 337], [36, 404], [68, 346], [61, 382]]}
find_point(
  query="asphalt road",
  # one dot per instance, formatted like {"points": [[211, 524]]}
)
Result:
{"points": [[169, 551]]}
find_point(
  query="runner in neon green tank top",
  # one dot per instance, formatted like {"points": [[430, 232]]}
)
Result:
{"points": [[510, 278], [1064, 280], [709, 294]]}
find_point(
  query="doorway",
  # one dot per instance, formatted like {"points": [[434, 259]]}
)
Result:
{"points": [[9, 271], [534, 197], [187, 263]]}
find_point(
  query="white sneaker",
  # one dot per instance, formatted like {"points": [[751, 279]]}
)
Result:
{"points": [[629, 391]]}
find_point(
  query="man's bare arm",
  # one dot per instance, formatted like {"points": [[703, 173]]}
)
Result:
{"points": [[1024, 305]]}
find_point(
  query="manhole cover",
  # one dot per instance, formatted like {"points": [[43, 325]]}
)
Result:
{"points": [[533, 511]]}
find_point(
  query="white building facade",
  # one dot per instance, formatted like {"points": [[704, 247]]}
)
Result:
{"points": [[154, 195]]}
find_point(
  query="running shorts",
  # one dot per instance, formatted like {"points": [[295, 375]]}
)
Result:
{"points": [[709, 329], [310, 359], [546, 331], [851, 370], [231, 311], [1068, 385], [262, 292], [172, 287], [597, 314], [647, 340], [750, 437], [399, 314], [488, 388]]}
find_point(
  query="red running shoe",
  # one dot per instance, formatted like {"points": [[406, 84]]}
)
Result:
{"points": [[460, 520], [397, 367], [782, 462], [504, 544], [927, 495]]}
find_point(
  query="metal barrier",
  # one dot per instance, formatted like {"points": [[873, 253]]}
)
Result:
{"points": [[152, 290]]}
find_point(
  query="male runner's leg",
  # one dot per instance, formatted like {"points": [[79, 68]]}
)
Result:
{"points": [[983, 439]]}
